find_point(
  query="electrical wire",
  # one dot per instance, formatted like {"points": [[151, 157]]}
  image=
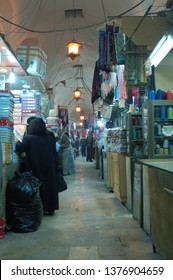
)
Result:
{"points": [[26, 18], [103, 10], [137, 27], [69, 78], [14, 31], [37, 13], [35, 9], [129, 10], [52, 63], [70, 29], [54, 38], [86, 87]]}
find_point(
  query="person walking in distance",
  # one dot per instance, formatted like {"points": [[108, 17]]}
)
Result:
{"points": [[90, 143], [83, 146]]}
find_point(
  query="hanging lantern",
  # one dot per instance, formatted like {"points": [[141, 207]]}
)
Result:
{"points": [[82, 117], [73, 49], [81, 123], [78, 109], [77, 93]]}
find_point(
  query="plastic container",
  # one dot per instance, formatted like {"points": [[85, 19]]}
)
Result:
{"points": [[163, 113], [170, 113]]}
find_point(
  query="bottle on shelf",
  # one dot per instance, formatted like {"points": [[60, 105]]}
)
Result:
{"points": [[170, 112]]}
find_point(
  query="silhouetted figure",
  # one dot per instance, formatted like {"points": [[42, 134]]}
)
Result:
{"points": [[40, 157]]}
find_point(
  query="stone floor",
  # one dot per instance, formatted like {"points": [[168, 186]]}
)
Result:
{"points": [[90, 225]]}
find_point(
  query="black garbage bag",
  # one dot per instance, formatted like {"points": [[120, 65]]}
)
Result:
{"points": [[62, 185], [24, 208]]}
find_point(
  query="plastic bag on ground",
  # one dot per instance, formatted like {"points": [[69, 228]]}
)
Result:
{"points": [[24, 208]]}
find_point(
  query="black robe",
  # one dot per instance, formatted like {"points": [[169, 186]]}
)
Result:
{"points": [[40, 150]]}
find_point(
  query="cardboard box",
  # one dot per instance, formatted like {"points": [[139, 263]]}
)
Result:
{"points": [[33, 59]]}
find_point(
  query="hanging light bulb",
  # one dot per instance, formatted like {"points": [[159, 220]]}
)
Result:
{"points": [[73, 49], [82, 117], [78, 109], [73, 46], [77, 93]]}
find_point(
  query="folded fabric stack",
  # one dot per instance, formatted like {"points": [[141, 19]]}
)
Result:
{"points": [[31, 106], [6, 125], [17, 113]]}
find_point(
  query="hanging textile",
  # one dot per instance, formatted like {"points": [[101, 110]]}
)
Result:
{"points": [[153, 84], [119, 39], [121, 88], [101, 54], [111, 48], [108, 86], [63, 114], [107, 48], [110, 56], [96, 84]]}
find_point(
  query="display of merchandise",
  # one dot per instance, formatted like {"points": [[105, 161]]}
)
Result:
{"points": [[63, 114], [31, 105], [17, 113], [52, 124], [6, 126], [158, 128], [102, 142], [25, 105], [116, 139], [134, 134]]}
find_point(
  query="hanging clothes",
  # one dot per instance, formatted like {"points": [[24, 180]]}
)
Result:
{"points": [[96, 84], [111, 47], [121, 88], [101, 50], [110, 64], [119, 39], [107, 48]]}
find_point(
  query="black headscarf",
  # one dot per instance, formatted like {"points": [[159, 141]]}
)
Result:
{"points": [[37, 126], [30, 119]]}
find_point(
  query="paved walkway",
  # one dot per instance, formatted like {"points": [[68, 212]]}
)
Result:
{"points": [[91, 224]]}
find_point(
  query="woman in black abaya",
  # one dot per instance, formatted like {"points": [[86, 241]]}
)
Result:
{"points": [[40, 150]]}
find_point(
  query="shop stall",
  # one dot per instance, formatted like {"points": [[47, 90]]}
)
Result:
{"points": [[20, 98]]}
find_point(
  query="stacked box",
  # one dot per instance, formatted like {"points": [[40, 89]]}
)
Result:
{"points": [[33, 59], [6, 134], [6, 109], [8, 152], [17, 112], [6, 125], [31, 106]]}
